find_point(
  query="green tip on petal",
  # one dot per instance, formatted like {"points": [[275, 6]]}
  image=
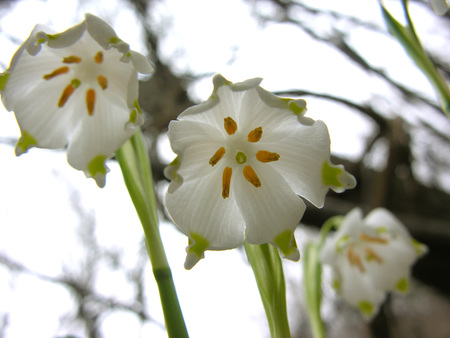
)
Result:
{"points": [[336, 285], [196, 250], [419, 248], [336, 177], [402, 285], [115, 40], [25, 142], [53, 36], [287, 245], [98, 170], [3, 79], [366, 308], [298, 107]]}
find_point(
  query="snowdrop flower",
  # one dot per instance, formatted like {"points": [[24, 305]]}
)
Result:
{"points": [[243, 157], [370, 257], [77, 88], [439, 6]]}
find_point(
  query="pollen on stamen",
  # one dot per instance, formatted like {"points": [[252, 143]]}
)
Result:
{"points": [[372, 255], [230, 125], [72, 59], [90, 101], [98, 57], [65, 95], [266, 156], [355, 260], [251, 176], [56, 72], [102, 82], [217, 156], [226, 180], [255, 135], [372, 239]]}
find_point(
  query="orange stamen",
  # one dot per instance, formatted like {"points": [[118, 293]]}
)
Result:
{"points": [[217, 156], [255, 135], [226, 179], [372, 239], [71, 59], [98, 57], [56, 72], [102, 81], [230, 125], [373, 255], [65, 95], [251, 176], [266, 156], [90, 101], [354, 259]]}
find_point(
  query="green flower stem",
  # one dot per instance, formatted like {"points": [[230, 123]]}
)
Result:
{"points": [[407, 36], [312, 271], [135, 164], [268, 270]]}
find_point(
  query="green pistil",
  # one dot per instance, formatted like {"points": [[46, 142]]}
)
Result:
{"points": [[75, 83], [240, 158]]}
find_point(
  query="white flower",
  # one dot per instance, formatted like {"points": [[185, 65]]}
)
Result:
{"points": [[243, 157], [77, 88], [370, 257], [439, 6]]}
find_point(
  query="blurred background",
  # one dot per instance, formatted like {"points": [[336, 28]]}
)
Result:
{"points": [[72, 256]]}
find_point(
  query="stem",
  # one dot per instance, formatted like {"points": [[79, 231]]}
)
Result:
{"points": [[135, 164], [268, 271]]}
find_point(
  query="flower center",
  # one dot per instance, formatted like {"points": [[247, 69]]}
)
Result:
{"points": [[363, 247], [82, 68], [240, 157]]}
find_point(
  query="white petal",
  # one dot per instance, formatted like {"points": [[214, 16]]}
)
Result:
{"points": [[141, 63], [269, 210], [303, 151], [100, 31], [66, 38], [197, 207], [99, 135], [357, 289]]}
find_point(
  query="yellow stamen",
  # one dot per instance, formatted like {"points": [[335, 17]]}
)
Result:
{"points": [[217, 156], [251, 176], [65, 95], [56, 72], [373, 255], [102, 81], [90, 101], [255, 135], [98, 57], [226, 179], [372, 239], [230, 125], [354, 259], [266, 156], [71, 59]]}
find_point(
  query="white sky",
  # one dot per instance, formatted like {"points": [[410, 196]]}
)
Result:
{"points": [[38, 226]]}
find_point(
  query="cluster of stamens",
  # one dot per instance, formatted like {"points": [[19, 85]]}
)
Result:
{"points": [[370, 255], [249, 173], [75, 82]]}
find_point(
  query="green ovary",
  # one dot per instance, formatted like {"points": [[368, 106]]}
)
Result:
{"points": [[240, 158]]}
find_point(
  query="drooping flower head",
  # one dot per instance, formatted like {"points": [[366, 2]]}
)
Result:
{"points": [[244, 156], [77, 88], [370, 257]]}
